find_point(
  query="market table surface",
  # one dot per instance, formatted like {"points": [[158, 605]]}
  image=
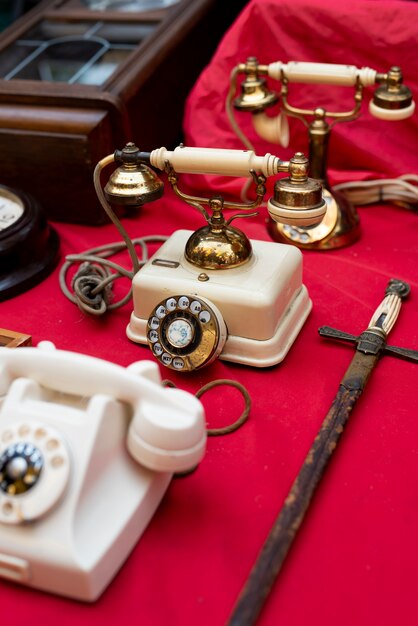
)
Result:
{"points": [[354, 559]]}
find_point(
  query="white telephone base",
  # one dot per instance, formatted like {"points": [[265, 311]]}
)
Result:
{"points": [[263, 302], [73, 501]]}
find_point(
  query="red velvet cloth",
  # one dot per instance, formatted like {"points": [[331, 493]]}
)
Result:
{"points": [[364, 33], [355, 558]]}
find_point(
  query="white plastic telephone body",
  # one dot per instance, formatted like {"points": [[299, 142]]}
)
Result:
{"points": [[260, 306], [73, 501]]}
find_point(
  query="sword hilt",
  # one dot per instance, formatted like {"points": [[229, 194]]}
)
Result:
{"points": [[373, 339]]}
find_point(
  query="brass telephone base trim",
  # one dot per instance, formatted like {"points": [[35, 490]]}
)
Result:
{"points": [[340, 227]]}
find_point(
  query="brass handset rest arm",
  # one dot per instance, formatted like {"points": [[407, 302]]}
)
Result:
{"points": [[337, 116], [196, 201]]}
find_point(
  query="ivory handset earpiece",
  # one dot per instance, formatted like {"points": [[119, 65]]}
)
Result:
{"points": [[392, 100], [87, 450], [214, 292]]}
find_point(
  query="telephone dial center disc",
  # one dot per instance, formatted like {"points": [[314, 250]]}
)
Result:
{"points": [[180, 333], [20, 467], [186, 332], [34, 471]]}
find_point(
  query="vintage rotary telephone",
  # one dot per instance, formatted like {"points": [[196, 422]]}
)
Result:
{"points": [[87, 450], [391, 101], [214, 292]]}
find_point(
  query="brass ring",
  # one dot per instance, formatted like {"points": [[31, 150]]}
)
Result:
{"points": [[225, 430]]}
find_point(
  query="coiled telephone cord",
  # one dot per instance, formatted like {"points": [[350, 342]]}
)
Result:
{"points": [[91, 286]]}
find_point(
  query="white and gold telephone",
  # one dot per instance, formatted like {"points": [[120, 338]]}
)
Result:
{"points": [[87, 450], [392, 101], [214, 292]]}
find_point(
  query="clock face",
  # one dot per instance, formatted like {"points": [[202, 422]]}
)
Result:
{"points": [[28, 244], [11, 209]]}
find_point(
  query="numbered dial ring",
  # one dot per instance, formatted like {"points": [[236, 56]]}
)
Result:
{"points": [[186, 332]]}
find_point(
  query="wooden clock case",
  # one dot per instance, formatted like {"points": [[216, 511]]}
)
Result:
{"points": [[53, 133]]}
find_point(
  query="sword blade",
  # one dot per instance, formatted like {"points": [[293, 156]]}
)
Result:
{"points": [[282, 534], [371, 343]]}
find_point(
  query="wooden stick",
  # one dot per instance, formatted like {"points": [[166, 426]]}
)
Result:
{"points": [[12, 339]]}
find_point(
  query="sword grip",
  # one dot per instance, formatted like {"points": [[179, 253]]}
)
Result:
{"points": [[387, 312]]}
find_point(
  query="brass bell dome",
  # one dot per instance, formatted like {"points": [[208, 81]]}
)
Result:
{"points": [[133, 184], [218, 245]]}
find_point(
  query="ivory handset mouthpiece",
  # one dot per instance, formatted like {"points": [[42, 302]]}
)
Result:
{"points": [[392, 100], [297, 200]]}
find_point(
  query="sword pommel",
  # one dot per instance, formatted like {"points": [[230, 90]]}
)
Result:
{"points": [[398, 287]]}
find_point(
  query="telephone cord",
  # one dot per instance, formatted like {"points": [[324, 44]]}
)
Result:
{"points": [[91, 285], [403, 190]]}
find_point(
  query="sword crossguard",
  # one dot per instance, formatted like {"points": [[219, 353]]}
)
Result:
{"points": [[373, 339]]}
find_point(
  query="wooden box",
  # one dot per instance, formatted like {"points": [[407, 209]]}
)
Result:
{"points": [[76, 83]]}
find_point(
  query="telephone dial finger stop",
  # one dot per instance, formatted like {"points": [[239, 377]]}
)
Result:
{"points": [[185, 332]]}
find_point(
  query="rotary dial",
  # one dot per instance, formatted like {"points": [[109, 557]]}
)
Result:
{"points": [[186, 332]]}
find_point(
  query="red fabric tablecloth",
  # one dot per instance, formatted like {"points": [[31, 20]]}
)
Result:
{"points": [[355, 558]]}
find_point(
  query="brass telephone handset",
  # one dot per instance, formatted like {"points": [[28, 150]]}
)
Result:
{"points": [[391, 101], [214, 292]]}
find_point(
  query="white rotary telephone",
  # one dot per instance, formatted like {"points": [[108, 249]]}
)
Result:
{"points": [[73, 502]]}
